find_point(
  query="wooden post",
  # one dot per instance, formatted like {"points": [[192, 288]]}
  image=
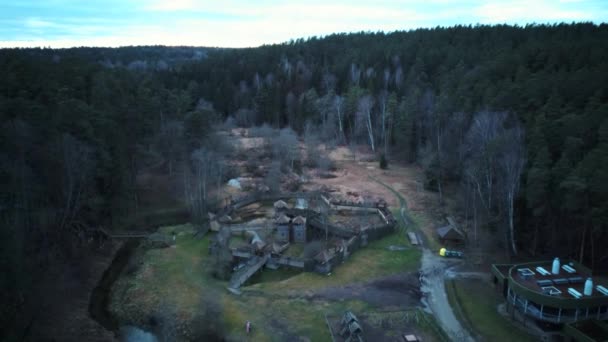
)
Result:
{"points": [[331, 332]]}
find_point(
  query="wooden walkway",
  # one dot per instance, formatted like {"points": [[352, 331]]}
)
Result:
{"points": [[244, 227], [241, 276], [124, 234], [413, 238], [128, 236]]}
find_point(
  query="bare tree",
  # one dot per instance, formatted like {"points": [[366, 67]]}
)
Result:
{"points": [[286, 148], [291, 103], [495, 159], [324, 106], [387, 77], [512, 162], [266, 133], [312, 142], [338, 106], [329, 82], [480, 153], [202, 160], [286, 67], [387, 105], [171, 142], [398, 77], [76, 161], [355, 74], [365, 108], [273, 177]]}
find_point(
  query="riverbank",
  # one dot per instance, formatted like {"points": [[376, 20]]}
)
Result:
{"points": [[64, 310], [100, 296]]}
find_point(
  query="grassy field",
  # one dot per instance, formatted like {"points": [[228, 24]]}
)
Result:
{"points": [[475, 303], [373, 261], [176, 280]]}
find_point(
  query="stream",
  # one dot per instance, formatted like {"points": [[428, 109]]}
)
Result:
{"points": [[100, 298]]}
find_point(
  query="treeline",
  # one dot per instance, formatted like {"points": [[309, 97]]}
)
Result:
{"points": [[75, 132], [515, 116]]}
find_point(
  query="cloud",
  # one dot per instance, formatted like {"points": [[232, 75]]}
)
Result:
{"points": [[171, 5], [528, 11], [38, 23], [241, 23]]}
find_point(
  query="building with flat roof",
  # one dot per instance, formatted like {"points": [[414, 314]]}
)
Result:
{"points": [[549, 292]]}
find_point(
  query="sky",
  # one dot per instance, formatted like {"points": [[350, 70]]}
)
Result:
{"points": [[240, 23]]}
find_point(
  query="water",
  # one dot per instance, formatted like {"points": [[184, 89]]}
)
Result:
{"points": [[432, 278], [130, 333]]}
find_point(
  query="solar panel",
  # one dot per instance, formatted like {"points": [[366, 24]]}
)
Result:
{"points": [[544, 283], [551, 290], [574, 293], [542, 271], [525, 271], [602, 289], [575, 280], [560, 281], [568, 269]]}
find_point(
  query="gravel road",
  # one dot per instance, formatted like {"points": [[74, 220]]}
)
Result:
{"points": [[433, 271]]}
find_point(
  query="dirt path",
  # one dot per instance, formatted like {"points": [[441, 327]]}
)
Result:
{"points": [[433, 271]]}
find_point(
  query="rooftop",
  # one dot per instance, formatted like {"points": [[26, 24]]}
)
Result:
{"points": [[282, 219], [450, 232], [299, 220], [568, 283]]}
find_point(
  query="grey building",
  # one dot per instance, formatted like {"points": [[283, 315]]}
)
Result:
{"points": [[282, 228], [299, 229]]}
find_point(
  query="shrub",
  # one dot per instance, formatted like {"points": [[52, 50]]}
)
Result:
{"points": [[383, 162]]}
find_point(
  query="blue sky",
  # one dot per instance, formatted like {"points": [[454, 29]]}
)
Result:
{"points": [[239, 23]]}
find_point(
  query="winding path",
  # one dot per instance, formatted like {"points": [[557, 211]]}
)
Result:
{"points": [[433, 271]]}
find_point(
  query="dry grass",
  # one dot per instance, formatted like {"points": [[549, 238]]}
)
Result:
{"points": [[178, 276], [368, 263]]}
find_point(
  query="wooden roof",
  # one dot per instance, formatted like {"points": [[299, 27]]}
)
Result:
{"points": [[450, 232], [324, 256], [280, 204], [282, 219], [299, 220]]}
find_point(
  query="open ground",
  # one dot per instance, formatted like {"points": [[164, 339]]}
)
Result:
{"points": [[379, 283]]}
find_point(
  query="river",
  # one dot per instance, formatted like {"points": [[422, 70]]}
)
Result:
{"points": [[101, 295]]}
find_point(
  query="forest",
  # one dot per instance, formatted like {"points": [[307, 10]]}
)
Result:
{"points": [[514, 120]]}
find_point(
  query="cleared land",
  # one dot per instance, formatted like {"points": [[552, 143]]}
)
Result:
{"points": [[174, 284], [281, 304], [476, 302]]}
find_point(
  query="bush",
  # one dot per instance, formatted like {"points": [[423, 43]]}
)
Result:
{"points": [[208, 324], [383, 162], [312, 248]]}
